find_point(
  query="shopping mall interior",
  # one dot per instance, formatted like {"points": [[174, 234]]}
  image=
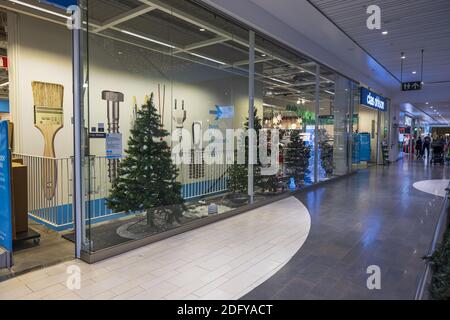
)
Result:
{"points": [[224, 150]]}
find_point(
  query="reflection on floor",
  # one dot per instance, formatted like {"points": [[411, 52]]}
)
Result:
{"points": [[434, 187], [28, 256], [376, 218], [224, 260]]}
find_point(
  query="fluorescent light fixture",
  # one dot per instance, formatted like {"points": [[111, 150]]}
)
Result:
{"points": [[403, 57], [384, 33], [206, 58], [329, 92], [147, 39], [40, 9], [202, 29], [414, 72], [280, 81], [4, 84]]}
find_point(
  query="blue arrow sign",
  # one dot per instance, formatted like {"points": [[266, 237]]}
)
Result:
{"points": [[223, 112]]}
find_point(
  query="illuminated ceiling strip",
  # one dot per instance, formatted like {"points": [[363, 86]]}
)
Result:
{"points": [[329, 92], [40, 9], [280, 81], [206, 58], [147, 39], [4, 84]]}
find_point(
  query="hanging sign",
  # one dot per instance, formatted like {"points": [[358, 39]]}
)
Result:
{"points": [[5, 190], [372, 100], [412, 86], [114, 145]]}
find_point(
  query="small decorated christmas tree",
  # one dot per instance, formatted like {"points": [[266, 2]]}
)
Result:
{"points": [[297, 159], [147, 178]]}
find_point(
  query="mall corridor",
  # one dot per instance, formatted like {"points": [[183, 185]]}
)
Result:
{"points": [[281, 251], [375, 217]]}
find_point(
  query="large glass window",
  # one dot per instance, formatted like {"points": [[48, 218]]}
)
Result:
{"points": [[167, 120], [167, 86]]}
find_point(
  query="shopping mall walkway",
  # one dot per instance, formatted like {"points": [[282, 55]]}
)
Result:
{"points": [[375, 217], [280, 251]]}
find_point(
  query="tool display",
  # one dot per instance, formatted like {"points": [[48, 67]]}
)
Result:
{"points": [[48, 119], [113, 100]]}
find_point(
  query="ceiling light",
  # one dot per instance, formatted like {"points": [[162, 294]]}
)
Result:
{"points": [[384, 33], [202, 29], [299, 101], [264, 55], [414, 72], [40, 9], [4, 84], [280, 81], [206, 58], [403, 57], [427, 103], [329, 92], [147, 39]]}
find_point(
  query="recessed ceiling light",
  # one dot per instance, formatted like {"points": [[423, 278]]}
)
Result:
{"points": [[427, 103], [414, 72], [384, 33], [202, 29]]}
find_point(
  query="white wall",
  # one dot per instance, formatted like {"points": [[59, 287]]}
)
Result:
{"points": [[42, 52], [38, 51]]}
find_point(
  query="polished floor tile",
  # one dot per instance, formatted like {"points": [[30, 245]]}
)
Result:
{"points": [[375, 217]]}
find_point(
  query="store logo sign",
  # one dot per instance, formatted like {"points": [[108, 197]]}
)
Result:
{"points": [[372, 100]]}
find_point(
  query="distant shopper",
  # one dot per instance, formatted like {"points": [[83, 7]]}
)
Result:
{"points": [[427, 146], [419, 148]]}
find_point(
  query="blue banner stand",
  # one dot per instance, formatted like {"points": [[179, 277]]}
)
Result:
{"points": [[6, 243]]}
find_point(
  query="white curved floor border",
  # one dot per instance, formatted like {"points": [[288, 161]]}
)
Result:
{"points": [[224, 260], [434, 187]]}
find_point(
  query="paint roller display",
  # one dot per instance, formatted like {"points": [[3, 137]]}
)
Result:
{"points": [[49, 119], [113, 100]]}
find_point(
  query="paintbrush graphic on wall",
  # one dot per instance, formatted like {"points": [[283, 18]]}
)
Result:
{"points": [[49, 119]]}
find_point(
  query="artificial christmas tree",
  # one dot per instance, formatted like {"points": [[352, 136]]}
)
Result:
{"points": [[147, 178], [238, 182], [297, 159]]}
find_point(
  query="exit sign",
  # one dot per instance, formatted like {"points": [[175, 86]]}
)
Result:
{"points": [[412, 86]]}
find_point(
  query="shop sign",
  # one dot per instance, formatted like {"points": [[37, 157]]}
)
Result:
{"points": [[5, 189], [114, 145], [62, 3], [372, 100], [3, 62], [412, 86]]}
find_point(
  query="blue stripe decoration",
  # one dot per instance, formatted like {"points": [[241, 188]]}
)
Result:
{"points": [[4, 106], [99, 211]]}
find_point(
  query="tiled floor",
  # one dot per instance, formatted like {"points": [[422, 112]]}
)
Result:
{"points": [[375, 217], [224, 260]]}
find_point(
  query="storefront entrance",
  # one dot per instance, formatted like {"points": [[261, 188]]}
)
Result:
{"points": [[36, 105]]}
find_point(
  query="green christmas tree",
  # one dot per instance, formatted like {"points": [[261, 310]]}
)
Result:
{"points": [[297, 158], [238, 182], [147, 178]]}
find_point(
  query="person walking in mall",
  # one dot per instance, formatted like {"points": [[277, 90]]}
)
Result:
{"points": [[426, 146], [419, 148]]}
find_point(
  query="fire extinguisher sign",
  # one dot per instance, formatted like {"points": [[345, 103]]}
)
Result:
{"points": [[3, 62]]}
